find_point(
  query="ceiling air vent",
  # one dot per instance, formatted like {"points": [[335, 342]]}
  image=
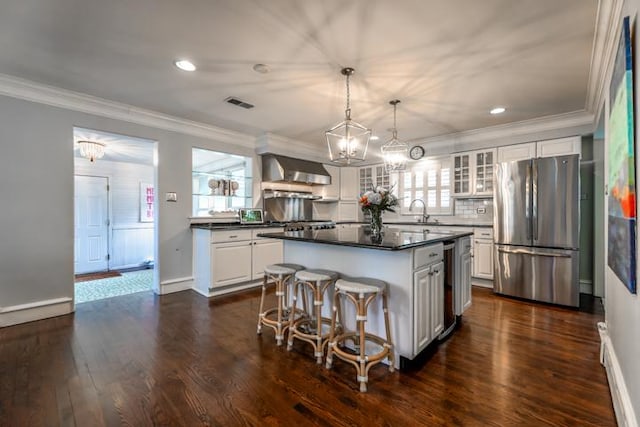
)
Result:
{"points": [[236, 101]]}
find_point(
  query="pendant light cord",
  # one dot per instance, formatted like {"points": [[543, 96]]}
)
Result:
{"points": [[347, 111]]}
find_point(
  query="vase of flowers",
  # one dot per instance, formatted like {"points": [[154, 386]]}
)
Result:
{"points": [[374, 202]]}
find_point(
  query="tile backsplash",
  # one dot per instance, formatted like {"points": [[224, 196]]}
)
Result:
{"points": [[474, 208]]}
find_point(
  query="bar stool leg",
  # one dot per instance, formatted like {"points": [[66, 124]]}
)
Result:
{"points": [[387, 326], [332, 330], [317, 301], [362, 317], [261, 311], [280, 295], [294, 306]]}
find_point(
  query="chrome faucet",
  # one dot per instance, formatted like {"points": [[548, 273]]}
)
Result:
{"points": [[425, 217]]}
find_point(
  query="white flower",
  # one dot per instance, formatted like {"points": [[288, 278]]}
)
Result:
{"points": [[374, 199], [381, 190]]}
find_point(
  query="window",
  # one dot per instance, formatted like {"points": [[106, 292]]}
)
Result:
{"points": [[429, 181]]}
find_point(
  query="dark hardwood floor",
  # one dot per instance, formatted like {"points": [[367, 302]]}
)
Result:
{"points": [[181, 359]]}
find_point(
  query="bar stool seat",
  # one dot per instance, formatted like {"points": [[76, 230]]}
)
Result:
{"points": [[280, 317], [361, 292], [309, 328]]}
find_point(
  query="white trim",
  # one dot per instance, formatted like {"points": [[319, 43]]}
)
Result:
{"points": [[525, 127], [37, 310], [176, 285], [586, 287], [619, 394], [604, 42], [30, 91], [234, 288], [272, 143]]}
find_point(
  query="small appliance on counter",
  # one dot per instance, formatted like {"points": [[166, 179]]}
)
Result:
{"points": [[251, 216]]}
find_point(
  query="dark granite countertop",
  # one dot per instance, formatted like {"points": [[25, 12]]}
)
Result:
{"points": [[426, 224], [394, 238], [235, 225]]}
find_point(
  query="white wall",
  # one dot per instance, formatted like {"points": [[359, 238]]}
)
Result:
{"points": [[36, 189], [130, 241], [623, 308]]}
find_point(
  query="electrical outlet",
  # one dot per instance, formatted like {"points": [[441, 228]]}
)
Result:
{"points": [[172, 197], [481, 210]]}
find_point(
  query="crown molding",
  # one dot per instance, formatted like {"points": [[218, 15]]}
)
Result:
{"points": [[44, 94], [272, 143], [538, 125], [608, 21]]}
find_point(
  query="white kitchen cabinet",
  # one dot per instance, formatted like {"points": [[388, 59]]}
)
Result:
{"points": [[559, 147], [463, 266], [263, 253], [462, 174], [329, 192], [511, 153], [473, 173], [483, 258], [230, 263], [348, 211], [230, 260], [436, 299], [428, 296], [421, 309], [349, 183], [546, 148], [371, 177]]}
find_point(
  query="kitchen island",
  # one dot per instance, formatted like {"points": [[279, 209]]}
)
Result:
{"points": [[412, 263]]}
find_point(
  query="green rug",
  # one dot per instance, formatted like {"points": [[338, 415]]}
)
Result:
{"points": [[128, 283]]}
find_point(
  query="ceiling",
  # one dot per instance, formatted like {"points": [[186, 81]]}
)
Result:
{"points": [[449, 62]]}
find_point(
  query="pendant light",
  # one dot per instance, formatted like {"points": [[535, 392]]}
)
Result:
{"points": [[394, 152], [348, 140], [92, 150]]}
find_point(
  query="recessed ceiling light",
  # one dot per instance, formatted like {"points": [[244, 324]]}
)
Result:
{"points": [[185, 65], [498, 110], [261, 68], [374, 138]]}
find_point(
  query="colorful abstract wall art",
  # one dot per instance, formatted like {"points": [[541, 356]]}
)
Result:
{"points": [[621, 166]]}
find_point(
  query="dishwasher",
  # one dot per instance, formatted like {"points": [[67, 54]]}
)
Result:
{"points": [[449, 289]]}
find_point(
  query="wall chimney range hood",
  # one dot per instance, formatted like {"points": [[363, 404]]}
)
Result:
{"points": [[277, 168]]}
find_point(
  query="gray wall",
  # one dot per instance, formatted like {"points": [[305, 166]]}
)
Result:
{"points": [[36, 189], [586, 211], [623, 308]]}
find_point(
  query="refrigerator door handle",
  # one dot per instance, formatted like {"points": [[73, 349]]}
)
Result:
{"points": [[528, 200], [526, 252], [534, 186]]}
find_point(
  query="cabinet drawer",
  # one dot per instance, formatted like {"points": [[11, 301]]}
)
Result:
{"points": [[427, 255], [230, 236], [255, 232], [483, 233]]}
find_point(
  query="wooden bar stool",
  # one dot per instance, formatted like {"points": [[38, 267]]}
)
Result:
{"points": [[361, 292], [309, 328], [278, 318]]}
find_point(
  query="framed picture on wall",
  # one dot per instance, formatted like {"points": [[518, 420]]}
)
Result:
{"points": [[621, 177], [147, 197]]}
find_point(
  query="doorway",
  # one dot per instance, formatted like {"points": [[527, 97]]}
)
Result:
{"points": [[114, 207]]}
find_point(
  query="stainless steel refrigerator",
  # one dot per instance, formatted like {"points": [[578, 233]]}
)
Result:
{"points": [[536, 229]]}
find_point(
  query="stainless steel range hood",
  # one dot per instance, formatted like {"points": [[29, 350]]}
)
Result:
{"points": [[276, 168]]}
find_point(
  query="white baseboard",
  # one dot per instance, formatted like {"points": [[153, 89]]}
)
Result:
{"points": [[625, 415], [586, 287], [214, 292], [176, 285], [38, 310], [483, 283]]}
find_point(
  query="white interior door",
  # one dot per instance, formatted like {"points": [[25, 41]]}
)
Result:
{"points": [[91, 224]]}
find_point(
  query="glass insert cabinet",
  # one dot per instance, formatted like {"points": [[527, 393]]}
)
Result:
{"points": [[473, 173], [220, 182]]}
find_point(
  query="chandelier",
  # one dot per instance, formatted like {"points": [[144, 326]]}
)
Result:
{"points": [[91, 150], [348, 140], [394, 152]]}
